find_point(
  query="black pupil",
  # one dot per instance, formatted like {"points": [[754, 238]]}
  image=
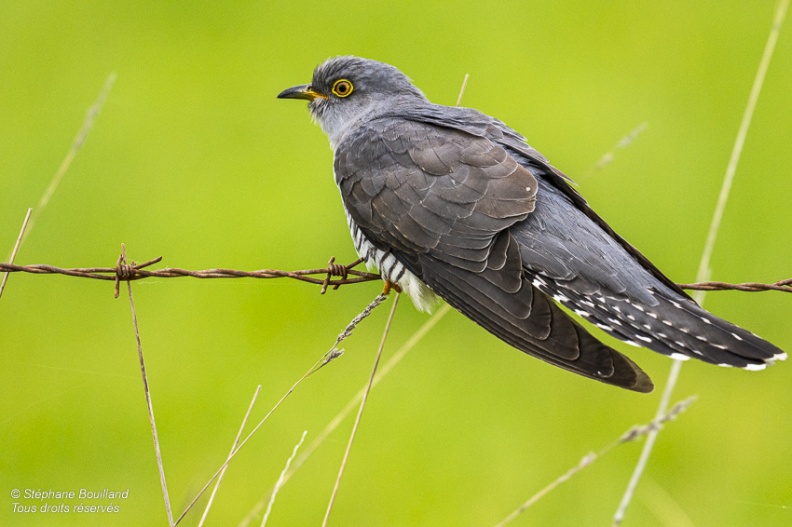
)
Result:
{"points": [[342, 87]]}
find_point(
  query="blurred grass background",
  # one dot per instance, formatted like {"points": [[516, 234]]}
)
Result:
{"points": [[194, 159]]}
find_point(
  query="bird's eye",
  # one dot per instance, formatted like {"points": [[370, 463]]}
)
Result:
{"points": [[342, 88]]}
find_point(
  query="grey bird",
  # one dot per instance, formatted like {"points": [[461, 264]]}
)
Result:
{"points": [[448, 201]]}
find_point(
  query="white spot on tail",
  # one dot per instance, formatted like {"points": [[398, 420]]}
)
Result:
{"points": [[755, 367], [679, 356], [735, 335]]}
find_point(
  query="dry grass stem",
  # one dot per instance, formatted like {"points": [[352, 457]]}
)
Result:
{"points": [[282, 479], [16, 248], [352, 404], [244, 441], [334, 351], [149, 405], [703, 273], [360, 411], [609, 156], [462, 89], [77, 144], [643, 459], [657, 423], [315, 367], [587, 460], [402, 352], [30, 219], [231, 453], [630, 435]]}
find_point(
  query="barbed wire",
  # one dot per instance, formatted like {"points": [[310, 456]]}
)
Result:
{"points": [[781, 285], [334, 275]]}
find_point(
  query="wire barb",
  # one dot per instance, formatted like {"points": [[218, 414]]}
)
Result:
{"points": [[334, 269], [125, 272], [345, 274]]}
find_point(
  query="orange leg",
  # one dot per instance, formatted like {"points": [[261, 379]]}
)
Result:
{"points": [[390, 285]]}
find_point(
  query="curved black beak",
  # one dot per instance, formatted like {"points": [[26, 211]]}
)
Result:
{"points": [[304, 91]]}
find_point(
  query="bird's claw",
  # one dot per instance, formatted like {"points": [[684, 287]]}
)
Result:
{"points": [[391, 285]]}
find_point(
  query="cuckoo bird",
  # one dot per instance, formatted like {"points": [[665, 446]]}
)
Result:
{"points": [[450, 202]]}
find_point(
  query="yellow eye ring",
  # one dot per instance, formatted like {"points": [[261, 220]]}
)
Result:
{"points": [[342, 88]]}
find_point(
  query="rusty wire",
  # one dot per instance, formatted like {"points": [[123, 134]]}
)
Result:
{"points": [[781, 285], [334, 275]]}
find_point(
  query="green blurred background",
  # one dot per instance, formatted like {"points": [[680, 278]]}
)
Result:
{"points": [[194, 159]]}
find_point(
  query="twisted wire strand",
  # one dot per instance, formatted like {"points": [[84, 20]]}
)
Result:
{"points": [[334, 275]]}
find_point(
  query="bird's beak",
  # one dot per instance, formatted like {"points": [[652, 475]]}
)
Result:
{"points": [[303, 91]]}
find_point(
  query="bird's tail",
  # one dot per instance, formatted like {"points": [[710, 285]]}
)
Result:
{"points": [[676, 327]]}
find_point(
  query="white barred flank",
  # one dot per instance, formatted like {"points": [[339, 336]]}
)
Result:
{"points": [[391, 269]]}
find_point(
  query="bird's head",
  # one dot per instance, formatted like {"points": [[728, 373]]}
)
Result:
{"points": [[346, 90]]}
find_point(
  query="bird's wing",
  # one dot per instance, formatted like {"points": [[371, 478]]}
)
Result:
{"points": [[478, 124], [442, 202], [574, 256]]}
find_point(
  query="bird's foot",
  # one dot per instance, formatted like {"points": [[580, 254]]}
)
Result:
{"points": [[391, 285]]}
